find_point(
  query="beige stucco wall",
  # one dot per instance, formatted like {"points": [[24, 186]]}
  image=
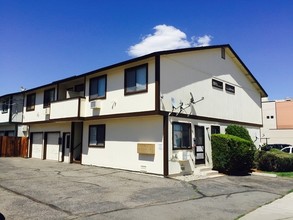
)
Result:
{"points": [[284, 111], [39, 114], [193, 72], [122, 137], [174, 166], [116, 102]]}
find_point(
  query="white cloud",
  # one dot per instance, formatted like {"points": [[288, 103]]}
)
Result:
{"points": [[202, 41], [166, 38]]}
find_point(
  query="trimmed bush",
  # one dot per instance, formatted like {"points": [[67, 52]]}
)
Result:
{"points": [[238, 131], [274, 160], [231, 154]]}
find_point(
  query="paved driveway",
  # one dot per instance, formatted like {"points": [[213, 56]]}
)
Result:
{"points": [[36, 189]]}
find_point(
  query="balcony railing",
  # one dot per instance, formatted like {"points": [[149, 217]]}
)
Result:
{"points": [[69, 108]]}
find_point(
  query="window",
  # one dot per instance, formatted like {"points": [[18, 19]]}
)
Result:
{"points": [[181, 135], [79, 88], [30, 102], [97, 136], [98, 87], [230, 88], [5, 105], [223, 54], [135, 79], [215, 129], [217, 84], [49, 96]]}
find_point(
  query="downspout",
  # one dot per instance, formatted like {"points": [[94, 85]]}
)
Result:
{"points": [[166, 145]]}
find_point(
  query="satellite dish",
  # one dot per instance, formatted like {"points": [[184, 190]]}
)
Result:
{"points": [[173, 102], [191, 98]]}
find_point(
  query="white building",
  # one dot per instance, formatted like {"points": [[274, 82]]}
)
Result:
{"points": [[146, 114], [11, 109], [277, 121]]}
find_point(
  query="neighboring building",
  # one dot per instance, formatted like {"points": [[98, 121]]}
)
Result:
{"points": [[11, 109], [277, 122], [146, 114]]}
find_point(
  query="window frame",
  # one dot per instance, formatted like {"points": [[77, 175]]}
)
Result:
{"points": [[30, 102], [5, 106], [189, 134], [97, 145], [217, 84], [135, 68], [229, 88], [46, 100], [90, 86], [215, 127]]}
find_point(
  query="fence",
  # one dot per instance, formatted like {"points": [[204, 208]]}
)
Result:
{"points": [[13, 146]]}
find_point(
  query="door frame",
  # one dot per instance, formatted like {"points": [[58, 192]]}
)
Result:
{"points": [[199, 161], [64, 143]]}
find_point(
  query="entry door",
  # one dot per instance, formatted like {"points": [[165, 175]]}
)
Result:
{"points": [[66, 148], [200, 144]]}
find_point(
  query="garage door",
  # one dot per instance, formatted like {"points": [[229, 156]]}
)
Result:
{"points": [[37, 145], [52, 152]]}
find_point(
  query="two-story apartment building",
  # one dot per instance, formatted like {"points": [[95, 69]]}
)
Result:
{"points": [[11, 109], [153, 114], [277, 122]]}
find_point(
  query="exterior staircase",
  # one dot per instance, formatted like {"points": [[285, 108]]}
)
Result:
{"points": [[200, 172]]}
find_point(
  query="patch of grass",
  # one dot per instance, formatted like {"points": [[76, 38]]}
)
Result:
{"points": [[283, 174]]}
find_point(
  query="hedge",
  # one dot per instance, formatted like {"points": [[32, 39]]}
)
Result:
{"points": [[274, 160], [238, 131], [231, 154]]}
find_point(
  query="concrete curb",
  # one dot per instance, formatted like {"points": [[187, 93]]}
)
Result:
{"points": [[263, 174]]}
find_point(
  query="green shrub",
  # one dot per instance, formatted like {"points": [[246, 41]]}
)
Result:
{"points": [[238, 131], [231, 154], [274, 160]]}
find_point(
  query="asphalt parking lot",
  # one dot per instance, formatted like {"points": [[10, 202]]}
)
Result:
{"points": [[37, 189]]}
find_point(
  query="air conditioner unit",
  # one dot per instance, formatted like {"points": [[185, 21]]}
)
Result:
{"points": [[95, 104]]}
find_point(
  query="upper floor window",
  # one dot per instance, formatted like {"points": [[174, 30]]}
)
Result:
{"points": [[136, 79], [217, 84], [181, 135], [5, 105], [49, 96], [97, 135], [30, 102], [98, 87], [230, 88]]}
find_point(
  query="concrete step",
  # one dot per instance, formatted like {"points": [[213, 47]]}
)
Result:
{"points": [[210, 173]]}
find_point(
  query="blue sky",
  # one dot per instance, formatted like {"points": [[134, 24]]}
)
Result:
{"points": [[47, 40]]}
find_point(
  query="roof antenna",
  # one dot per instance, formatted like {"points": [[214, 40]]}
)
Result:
{"points": [[191, 102]]}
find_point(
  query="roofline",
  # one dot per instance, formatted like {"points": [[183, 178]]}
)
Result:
{"points": [[11, 94], [246, 68], [154, 54]]}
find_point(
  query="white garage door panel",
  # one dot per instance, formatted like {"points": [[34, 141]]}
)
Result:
{"points": [[52, 146], [37, 146]]}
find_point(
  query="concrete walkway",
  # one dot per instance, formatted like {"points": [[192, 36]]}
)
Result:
{"points": [[279, 209]]}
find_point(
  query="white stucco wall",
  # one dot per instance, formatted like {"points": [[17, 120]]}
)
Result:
{"points": [[122, 137], [39, 114], [174, 166], [193, 72], [116, 102]]}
